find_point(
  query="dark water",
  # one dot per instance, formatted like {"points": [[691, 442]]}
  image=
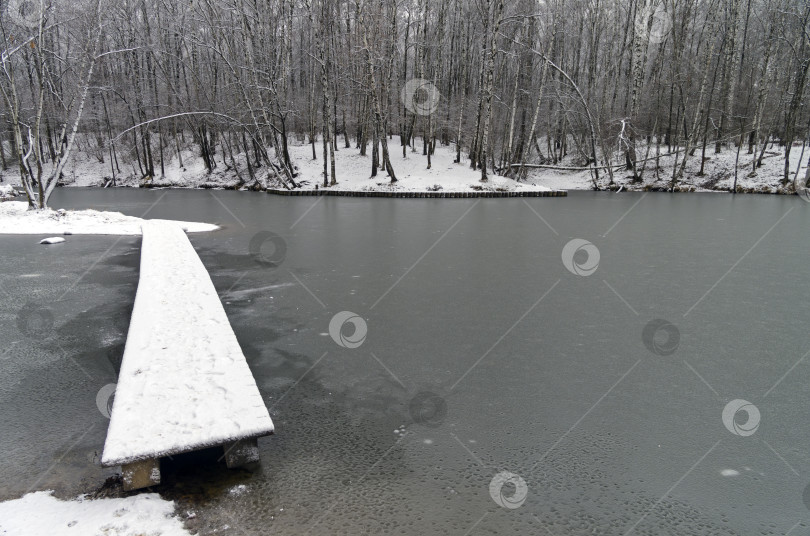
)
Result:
{"points": [[463, 359]]}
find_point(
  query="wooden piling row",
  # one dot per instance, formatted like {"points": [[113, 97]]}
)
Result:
{"points": [[432, 195]]}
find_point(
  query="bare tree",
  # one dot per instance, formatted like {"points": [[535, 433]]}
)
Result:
{"points": [[39, 182], [564, 83]]}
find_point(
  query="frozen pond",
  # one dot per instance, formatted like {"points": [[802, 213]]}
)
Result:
{"points": [[483, 354]]}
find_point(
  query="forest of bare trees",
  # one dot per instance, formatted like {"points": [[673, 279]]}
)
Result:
{"points": [[508, 85]]}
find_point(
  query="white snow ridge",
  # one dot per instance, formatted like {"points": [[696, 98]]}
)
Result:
{"points": [[40, 513]]}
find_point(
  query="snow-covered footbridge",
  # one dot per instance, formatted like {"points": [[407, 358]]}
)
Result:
{"points": [[184, 384]]}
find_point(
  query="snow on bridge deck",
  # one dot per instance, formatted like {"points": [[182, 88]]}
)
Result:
{"points": [[184, 384]]}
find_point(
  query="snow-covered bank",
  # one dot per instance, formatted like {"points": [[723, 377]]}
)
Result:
{"points": [[718, 172], [41, 513], [15, 218], [353, 171]]}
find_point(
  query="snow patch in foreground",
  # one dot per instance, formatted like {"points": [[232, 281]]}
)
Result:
{"points": [[41, 513], [15, 218], [52, 240]]}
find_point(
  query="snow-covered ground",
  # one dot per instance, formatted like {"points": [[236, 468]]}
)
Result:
{"points": [[15, 218], [718, 172], [40, 513], [354, 171]]}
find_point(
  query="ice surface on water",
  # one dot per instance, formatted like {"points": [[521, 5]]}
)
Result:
{"points": [[336, 420]]}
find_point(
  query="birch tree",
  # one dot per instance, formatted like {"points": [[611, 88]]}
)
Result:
{"points": [[39, 180]]}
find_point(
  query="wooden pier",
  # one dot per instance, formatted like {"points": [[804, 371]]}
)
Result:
{"points": [[184, 383]]}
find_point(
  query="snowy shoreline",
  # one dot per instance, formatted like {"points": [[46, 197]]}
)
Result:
{"points": [[446, 177], [15, 218], [40, 513]]}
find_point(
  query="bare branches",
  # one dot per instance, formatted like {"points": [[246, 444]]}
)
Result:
{"points": [[568, 85]]}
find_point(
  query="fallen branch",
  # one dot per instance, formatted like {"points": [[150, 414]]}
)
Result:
{"points": [[589, 168]]}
